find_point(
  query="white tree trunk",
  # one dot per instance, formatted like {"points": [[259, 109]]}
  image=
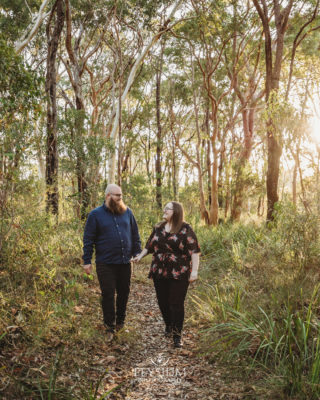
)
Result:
{"points": [[32, 29], [132, 75]]}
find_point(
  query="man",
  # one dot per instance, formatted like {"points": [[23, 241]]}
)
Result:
{"points": [[112, 230]]}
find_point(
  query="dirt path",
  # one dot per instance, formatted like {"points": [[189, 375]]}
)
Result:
{"points": [[146, 366], [140, 364]]}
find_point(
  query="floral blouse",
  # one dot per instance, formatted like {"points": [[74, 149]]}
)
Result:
{"points": [[171, 252]]}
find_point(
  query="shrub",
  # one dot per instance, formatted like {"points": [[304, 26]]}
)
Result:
{"points": [[259, 298]]}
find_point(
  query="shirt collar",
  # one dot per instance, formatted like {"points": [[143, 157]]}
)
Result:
{"points": [[105, 207]]}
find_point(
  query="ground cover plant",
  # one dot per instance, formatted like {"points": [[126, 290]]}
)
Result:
{"points": [[258, 303]]}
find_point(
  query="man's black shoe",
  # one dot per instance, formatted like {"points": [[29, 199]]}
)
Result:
{"points": [[168, 331]]}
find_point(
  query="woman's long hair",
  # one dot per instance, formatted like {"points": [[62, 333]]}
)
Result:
{"points": [[177, 218]]}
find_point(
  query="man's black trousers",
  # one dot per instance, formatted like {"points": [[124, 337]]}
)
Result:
{"points": [[171, 294], [114, 279]]}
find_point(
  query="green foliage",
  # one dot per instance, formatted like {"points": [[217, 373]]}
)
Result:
{"points": [[284, 341], [19, 106], [19, 86], [93, 392], [298, 234], [15, 17], [258, 301]]}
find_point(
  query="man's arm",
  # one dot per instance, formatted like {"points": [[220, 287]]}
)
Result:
{"points": [[89, 238]]}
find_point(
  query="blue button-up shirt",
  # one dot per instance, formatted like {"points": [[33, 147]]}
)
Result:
{"points": [[115, 237]]}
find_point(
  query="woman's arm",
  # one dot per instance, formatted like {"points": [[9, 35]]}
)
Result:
{"points": [[139, 256], [195, 266], [146, 250]]}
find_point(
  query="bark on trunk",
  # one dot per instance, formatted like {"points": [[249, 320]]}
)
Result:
{"points": [[260, 209], [52, 196], [214, 207], [175, 172], [159, 133], [240, 184], [273, 71], [75, 72]]}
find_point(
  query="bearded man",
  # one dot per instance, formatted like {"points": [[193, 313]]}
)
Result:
{"points": [[112, 231]]}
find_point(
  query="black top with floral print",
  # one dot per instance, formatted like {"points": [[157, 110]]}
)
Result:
{"points": [[171, 252]]}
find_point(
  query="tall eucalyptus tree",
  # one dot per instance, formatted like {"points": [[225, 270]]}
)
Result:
{"points": [[53, 37]]}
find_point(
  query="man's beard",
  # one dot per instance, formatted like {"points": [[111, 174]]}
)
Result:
{"points": [[117, 207]]}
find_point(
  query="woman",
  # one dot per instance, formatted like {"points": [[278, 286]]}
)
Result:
{"points": [[175, 263]]}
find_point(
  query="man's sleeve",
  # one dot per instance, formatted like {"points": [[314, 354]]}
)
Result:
{"points": [[136, 241], [89, 238]]}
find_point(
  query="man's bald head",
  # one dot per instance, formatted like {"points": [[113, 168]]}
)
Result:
{"points": [[112, 188], [114, 199]]}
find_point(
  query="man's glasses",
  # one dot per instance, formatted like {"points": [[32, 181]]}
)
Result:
{"points": [[116, 194]]}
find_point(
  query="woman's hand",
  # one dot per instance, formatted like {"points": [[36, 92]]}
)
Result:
{"points": [[193, 277], [138, 257]]}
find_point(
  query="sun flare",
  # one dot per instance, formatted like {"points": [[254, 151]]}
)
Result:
{"points": [[315, 129]]}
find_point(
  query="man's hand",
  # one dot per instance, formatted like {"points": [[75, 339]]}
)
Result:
{"points": [[136, 258], [87, 269]]}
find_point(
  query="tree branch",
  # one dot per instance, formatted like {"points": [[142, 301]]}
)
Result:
{"points": [[37, 20]]}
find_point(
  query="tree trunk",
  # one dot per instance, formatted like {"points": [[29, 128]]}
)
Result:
{"points": [[52, 198], [294, 183], [208, 157], [220, 174], [273, 71], [114, 119], [274, 154], [75, 71], [214, 207], [260, 209], [32, 29], [175, 172], [159, 132], [240, 184]]}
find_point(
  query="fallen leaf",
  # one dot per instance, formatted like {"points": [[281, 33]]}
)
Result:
{"points": [[79, 309]]}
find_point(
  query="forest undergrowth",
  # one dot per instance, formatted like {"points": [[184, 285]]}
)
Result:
{"points": [[258, 303], [255, 307]]}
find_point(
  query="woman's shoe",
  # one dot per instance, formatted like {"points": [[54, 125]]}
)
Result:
{"points": [[168, 331], [109, 336], [119, 327], [177, 343]]}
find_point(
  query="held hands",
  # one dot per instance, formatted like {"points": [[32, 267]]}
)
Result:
{"points": [[138, 257]]}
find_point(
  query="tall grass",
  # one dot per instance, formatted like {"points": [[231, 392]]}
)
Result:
{"points": [[259, 301]]}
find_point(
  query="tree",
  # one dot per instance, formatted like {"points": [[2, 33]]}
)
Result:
{"points": [[32, 29], [273, 72], [53, 38]]}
